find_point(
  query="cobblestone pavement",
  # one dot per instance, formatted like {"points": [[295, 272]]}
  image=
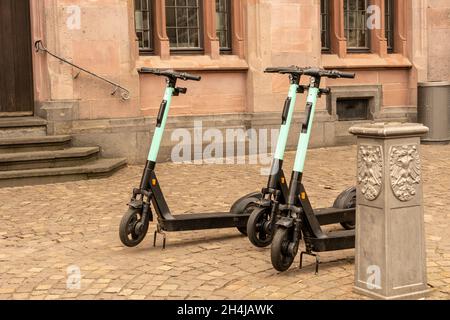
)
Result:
{"points": [[45, 229]]}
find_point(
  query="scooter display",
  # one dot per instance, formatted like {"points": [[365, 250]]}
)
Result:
{"points": [[135, 223], [297, 218]]}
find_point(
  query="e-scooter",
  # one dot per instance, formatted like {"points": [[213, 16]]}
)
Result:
{"points": [[134, 224], [297, 217], [260, 225]]}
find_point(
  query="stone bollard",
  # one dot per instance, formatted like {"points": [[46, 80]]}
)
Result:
{"points": [[390, 260]]}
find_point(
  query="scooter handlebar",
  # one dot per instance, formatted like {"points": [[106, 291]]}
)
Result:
{"points": [[313, 72], [171, 74]]}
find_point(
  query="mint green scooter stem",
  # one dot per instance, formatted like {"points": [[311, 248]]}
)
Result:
{"points": [[303, 142], [159, 131], [284, 130]]}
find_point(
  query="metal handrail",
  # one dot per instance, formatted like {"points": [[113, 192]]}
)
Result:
{"points": [[124, 93]]}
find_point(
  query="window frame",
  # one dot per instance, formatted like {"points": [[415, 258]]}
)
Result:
{"points": [[151, 30], [201, 30], [229, 30], [327, 13], [389, 11], [346, 19]]}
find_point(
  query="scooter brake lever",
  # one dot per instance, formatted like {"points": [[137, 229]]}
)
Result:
{"points": [[324, 91], [302, 88], [179, 91]]}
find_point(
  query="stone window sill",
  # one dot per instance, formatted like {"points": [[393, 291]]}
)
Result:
{"points": [[194, 63], [365, 61]]}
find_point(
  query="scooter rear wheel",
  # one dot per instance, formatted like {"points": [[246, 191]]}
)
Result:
{"points": [[279, 253], [245, 205], [256, 230], [132, 229], [345, 200]]}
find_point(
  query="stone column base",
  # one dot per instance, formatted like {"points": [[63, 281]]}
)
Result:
{"points": [[407, 296]]}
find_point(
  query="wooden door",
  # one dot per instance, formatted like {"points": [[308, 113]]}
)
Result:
{"points": [[16, 69]]}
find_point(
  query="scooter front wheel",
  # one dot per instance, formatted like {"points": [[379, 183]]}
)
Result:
{"points": [[283, 250], [132, 229], [258, 228]]}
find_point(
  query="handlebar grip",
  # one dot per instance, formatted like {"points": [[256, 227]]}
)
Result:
{"points": [[149, 70], [188, 76], [279, 69], [271, 70], [347, 75]]}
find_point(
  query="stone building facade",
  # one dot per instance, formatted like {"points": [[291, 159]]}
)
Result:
{"points": [[229, 43]]}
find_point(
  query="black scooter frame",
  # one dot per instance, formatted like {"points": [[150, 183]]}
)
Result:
{"points": [[299, 216], [150, 194]]}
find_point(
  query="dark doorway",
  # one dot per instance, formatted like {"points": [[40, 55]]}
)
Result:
{"points": [[16, 69]]}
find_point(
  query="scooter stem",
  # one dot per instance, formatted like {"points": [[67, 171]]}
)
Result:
{"points": [[306, 129], [288, 113], [159, 130], [284, 130]]}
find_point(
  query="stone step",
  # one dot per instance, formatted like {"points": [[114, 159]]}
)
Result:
{"points": [[97, 169], [22, 122], [48, 159], [25, 144], [22, 127]]}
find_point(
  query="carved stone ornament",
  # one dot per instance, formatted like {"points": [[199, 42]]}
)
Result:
{"points": [[370, 168], [404, 171]]}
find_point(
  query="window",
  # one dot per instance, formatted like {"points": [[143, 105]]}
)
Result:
{"points": [[389, 24], [223, 21], [344, 26], [143, 23], [174, 27], [356, 31], [183, 18], [325, 24]]}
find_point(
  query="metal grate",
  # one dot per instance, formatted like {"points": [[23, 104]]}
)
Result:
{"points": [[183, 20], [356, 31], [352, 109]]}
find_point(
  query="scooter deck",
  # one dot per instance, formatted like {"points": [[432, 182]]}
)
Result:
{"points": [[200, 221], [334, 240], [331, 215]]}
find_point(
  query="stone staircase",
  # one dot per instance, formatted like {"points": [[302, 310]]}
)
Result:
{"points": [[29, 157]]}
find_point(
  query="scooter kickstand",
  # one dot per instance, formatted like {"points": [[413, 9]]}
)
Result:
{"points": [[317, 263], [155, 234], [313, 255]]}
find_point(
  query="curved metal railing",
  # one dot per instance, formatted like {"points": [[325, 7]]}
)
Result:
{"points": [[124, 93]]}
